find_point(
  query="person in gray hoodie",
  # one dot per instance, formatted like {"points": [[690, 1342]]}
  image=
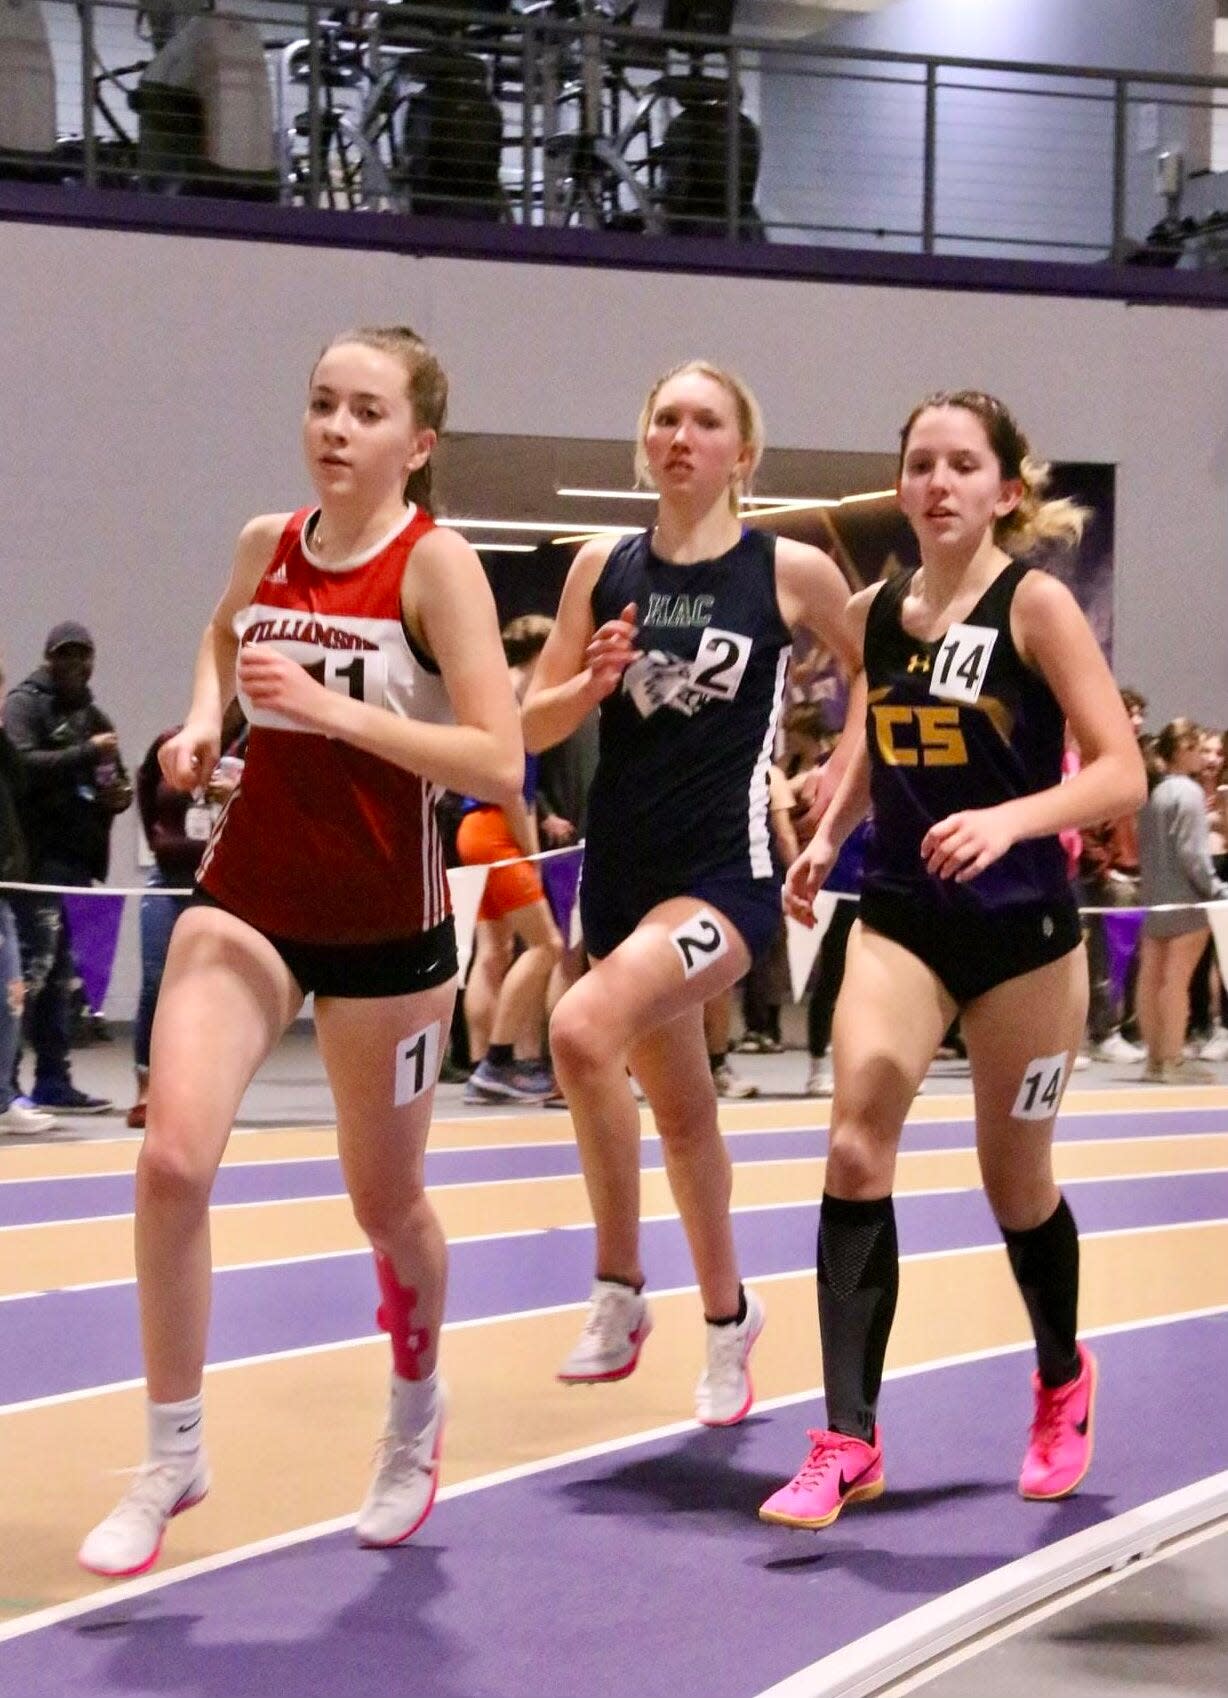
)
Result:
{"points": [[1174, 869]]}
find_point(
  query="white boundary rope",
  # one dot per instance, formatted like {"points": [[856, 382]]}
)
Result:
{"points": [[542, 855]]}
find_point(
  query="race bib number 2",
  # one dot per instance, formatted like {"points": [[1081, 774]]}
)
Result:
{"points": [[719, 663], [962, 662], [699, 940]]}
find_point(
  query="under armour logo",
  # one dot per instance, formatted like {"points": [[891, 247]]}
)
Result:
{"points": [[918, 663]]}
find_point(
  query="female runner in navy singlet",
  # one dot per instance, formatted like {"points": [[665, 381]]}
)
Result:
{"points": [[681, 634], [365, 648], [973, 666]]}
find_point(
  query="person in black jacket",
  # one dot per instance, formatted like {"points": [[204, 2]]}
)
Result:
{"points": [[75, 783], [16, 1116]]}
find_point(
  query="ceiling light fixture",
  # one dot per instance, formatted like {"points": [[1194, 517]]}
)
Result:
{"points": [[755, 503]]}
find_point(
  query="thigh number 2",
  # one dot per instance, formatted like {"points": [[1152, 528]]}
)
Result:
{"points": [[699, 940], [1041, 1090]]}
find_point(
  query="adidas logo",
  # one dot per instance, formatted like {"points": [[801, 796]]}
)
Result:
{"points": [[279, 576]]}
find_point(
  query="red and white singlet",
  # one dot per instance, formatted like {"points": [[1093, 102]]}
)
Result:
{"points": [[321, 842]]}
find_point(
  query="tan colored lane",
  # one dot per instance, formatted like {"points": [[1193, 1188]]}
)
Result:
{"points": [[47, 1258], [118, 1155], [290, 1439]]}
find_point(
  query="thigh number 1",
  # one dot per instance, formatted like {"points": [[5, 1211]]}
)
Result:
{"points": [[699, 940], [417, 1065], [1041, 1090]]}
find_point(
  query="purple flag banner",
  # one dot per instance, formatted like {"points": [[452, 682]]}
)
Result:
{"points": [[561, 880], [1121, 933], [93, 930]]}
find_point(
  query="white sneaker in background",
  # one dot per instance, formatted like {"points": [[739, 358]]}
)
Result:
{"points": [[820, 1081], [724, 1393], [1216, 1046], [129, 1540], [1119, 1049], [733, 1085], [614, 1331], [18, 1121]]}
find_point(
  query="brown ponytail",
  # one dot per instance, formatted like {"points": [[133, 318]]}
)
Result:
{"points": [[1034, 519]]}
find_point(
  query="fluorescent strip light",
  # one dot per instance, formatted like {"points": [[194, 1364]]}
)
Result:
{"points": [[760, 503], [505, 547], [603, 531]]}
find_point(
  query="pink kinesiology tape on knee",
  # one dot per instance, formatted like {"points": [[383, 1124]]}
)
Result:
{"points": [[396, 1316]]}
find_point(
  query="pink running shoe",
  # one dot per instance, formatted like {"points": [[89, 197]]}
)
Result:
{"points": [[839, 1470], [1060, 1447]]}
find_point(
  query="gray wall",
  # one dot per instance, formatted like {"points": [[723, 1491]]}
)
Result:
{"points": [[151, 389], [1012, 162]]}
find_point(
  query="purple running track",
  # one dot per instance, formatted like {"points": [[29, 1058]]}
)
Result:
{"points": [[27, 1202], [645, 1571], [65, 1341]]}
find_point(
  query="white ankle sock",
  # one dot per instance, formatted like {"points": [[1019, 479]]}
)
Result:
{"points": [[175, 1429], [413, 1402]]}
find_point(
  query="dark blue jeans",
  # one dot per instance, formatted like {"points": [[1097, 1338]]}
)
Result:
{"points": [[158, 916], [48, 969]]}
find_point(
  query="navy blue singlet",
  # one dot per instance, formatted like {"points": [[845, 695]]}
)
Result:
{"points": [[681, 786], [958, 723]]}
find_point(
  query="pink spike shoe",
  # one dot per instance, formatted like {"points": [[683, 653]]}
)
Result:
{"points": [[1060, 1448], [839, 1470]]}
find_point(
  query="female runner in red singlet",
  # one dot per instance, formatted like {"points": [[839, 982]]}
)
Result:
{"points": [[365, 649]]}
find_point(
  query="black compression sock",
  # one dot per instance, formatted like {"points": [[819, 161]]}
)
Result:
{"points": [[859, 1280], [1045, 1262]]}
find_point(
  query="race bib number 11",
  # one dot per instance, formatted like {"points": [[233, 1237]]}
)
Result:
{"points": [[362, 675]]}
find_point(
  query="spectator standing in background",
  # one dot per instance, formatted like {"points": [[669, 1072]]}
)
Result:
{"points": [[505, 995], [16, 1116], [177, 827], [75, 784], [1175, 868]]}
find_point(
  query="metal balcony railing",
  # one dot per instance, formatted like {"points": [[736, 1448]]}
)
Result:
{"points": [[573, 112]]}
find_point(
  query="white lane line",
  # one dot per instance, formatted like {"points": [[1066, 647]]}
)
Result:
{"points": [[587, 1226], [128, 1590], [648, 1136], [900, 1647], [450, 1185], [565, 1226], [1071, 1595], [512, 1316]]}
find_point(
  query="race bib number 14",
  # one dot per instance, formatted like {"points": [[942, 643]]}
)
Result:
{"points": [[962, 662]]}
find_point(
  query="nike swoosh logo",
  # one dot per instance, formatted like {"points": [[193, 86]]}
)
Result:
{"points": [[1081, 1426], [188, 1428]]}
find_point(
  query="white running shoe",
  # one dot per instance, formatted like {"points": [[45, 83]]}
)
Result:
{"points": [[732, 1084], [1216, 1046], [614, 1331], [402, 1494], [724, 1393], [18, 1121], [820, 1080], [129, 1541], [1117, 1048]]}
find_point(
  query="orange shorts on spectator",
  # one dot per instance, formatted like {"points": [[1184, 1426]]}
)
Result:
{"points": [[484, 837]]}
